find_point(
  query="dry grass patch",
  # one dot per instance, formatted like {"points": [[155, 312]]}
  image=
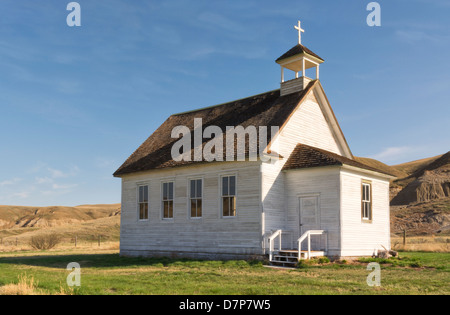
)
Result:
{"points": [[25, 286], [435, 244]]}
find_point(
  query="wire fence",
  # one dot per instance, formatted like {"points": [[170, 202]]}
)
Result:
{"points": [[405, 241], [75, 241]]}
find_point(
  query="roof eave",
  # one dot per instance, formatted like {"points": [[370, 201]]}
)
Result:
{"points": [[372, 172], [282, 61]]}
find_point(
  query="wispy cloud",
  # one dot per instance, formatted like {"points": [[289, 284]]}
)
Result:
{"points": [[105, 163], [400, 154], [43, 180], [40, 180], [416, 36], [10, 182], [21, 195], [438, 3], [221, 22], [64, 186], [239, 50], [55, 173]]}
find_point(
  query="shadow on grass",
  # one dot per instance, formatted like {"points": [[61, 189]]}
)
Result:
{"points": [[117, 261]]}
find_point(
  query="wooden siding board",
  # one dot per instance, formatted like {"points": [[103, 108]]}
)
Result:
{"points": [[211, 233], [267, 200], [360, 238], [323, 182], [306, 125]]}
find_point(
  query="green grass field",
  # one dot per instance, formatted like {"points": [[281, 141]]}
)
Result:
{"points": [[108, 273]]}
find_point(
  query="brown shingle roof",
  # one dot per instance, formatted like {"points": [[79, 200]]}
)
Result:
{"points": [[296, 50], [305, 156], [268, 109]]}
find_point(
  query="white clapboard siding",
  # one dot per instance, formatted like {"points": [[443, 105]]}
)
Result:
{"points": [[294, 85], [307, 125], [210, 236], [267, 199], [360, 238], [324, 183]]}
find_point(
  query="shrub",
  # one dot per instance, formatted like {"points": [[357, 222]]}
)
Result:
{"points": [[45, 242], [323, 260]]}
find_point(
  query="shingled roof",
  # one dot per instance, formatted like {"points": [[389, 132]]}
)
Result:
{"points": [[305, 156], [267, 109], [297, 50]]}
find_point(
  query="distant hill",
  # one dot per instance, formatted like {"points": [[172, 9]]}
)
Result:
{"points": [[428, 180], [422, 218], [382, 167], [411, 167], [86, 222], [21, 217]]}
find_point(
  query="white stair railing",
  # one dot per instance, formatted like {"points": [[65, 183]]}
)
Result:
{"points": [[271, 242], [279, 234], [307, 235]]}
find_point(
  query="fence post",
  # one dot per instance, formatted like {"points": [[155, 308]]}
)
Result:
{"points": [[404, 237], [99, 240]]}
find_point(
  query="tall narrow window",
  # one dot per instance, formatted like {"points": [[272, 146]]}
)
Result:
{"points": [[167, 200], [366, 206], [143, 202], [196, 198], [229, 196]]}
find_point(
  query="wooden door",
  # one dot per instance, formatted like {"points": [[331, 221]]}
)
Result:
{"points": [[309, 216]]}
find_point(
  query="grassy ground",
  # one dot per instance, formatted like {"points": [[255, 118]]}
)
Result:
{"points": [[105, 272]]}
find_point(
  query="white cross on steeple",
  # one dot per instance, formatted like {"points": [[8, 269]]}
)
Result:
{"points": [[300, 31]]}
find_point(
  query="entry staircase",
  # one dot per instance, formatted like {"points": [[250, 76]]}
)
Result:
{"points": [[289, 257]]}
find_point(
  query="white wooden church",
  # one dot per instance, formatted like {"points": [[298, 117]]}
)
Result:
{"points": [[312, 199]]}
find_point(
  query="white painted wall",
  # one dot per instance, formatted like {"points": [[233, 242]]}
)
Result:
{"points": [[209, 237], [321, 181], [267, 200], [359, 238], [308, 126]]}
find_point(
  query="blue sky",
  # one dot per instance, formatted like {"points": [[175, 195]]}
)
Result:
{"points": [[76, 102]]}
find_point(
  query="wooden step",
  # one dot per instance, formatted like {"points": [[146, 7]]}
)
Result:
{"points": [[283, 263], [289, 257], [285, 259], [294, 253]]}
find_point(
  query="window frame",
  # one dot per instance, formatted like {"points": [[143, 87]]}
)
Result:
{"points": [[143, 202], [366, 201], [189, 198], [167, 200], [222, 196]]}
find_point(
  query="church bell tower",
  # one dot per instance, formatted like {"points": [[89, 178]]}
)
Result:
{"points": [[298, 59]]}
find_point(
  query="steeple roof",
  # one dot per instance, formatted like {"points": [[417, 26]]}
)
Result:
{"points": [[298, 50]]}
